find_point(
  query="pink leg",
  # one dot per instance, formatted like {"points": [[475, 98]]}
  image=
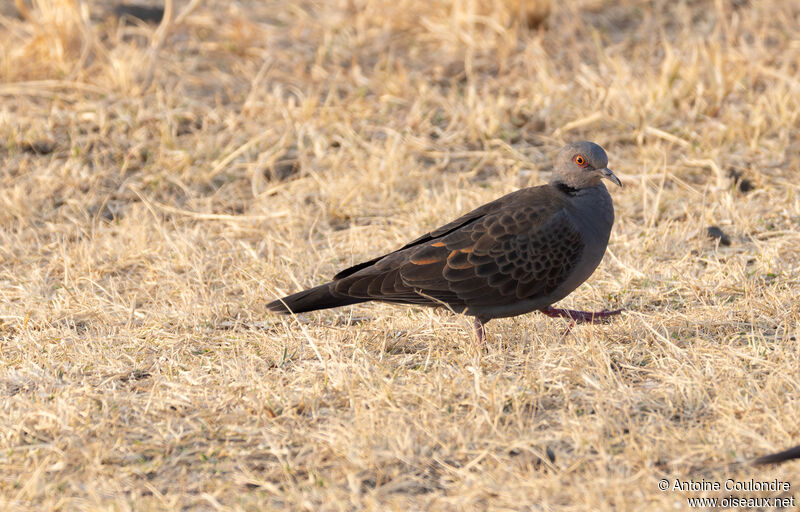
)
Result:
{"points": [[479, 331], [579, 316]]}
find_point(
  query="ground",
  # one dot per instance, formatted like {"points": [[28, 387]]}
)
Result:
{"points": [[161, 184]]}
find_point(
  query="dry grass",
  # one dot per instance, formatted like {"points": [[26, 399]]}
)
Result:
{"points": [[159, 185]]}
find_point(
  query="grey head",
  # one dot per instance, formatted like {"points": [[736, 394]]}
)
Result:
{"points": [[582, 164]]}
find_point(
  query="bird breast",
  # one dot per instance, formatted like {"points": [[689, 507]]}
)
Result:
{"points": [[592, 213]]}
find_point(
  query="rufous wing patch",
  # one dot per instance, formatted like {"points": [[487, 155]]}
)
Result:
{"points": [[428, 256], [425, 261], [458, 260]]}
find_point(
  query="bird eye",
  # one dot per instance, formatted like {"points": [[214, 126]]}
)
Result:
{"points": [[580, 160]]}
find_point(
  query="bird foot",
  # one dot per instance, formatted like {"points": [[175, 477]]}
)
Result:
{"points": [[579, 316]]}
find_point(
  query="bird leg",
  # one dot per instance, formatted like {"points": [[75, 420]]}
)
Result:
{"points": [[579, 316], [479, 330]]}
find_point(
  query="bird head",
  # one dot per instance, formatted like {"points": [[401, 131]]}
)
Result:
{"points": [[581, 165]]}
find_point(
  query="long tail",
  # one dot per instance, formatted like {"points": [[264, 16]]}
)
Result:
{"points": [[319, 297]]}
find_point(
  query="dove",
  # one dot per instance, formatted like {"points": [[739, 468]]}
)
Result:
{"points": [[517, 254]]}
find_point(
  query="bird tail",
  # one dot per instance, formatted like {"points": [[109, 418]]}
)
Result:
{"points": [[319, 297]]}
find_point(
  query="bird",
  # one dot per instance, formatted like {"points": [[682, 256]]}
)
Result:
{"points": [[517, 254]]}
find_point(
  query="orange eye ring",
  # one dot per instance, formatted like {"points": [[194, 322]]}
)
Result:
{"points": [[580, 160]]}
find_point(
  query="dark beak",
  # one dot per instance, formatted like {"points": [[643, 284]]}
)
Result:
{"points": [[610, 176]]}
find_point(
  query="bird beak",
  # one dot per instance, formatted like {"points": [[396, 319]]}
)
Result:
{"points": [[610, 176]]}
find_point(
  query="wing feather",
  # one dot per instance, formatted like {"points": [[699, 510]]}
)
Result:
{"points": [[517, 247]]}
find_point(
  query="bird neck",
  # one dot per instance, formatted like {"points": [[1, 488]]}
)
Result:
{"points": [[563, 187]]}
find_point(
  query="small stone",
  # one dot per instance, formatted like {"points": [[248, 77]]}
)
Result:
{"points": [[716, 232], [743, 184], [145, 13], [38, 147]]}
